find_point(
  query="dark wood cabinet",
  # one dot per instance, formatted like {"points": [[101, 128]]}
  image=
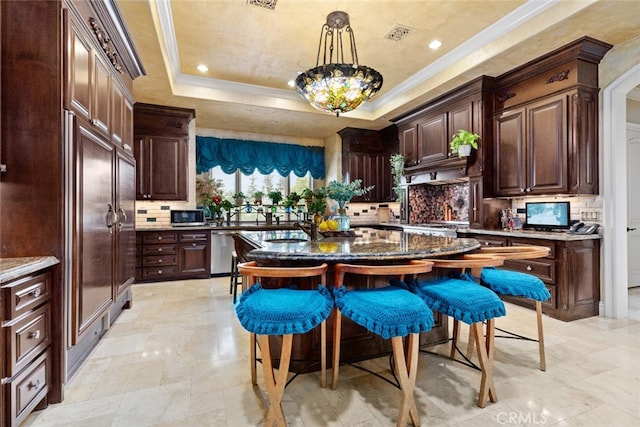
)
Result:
{"points": [[161, 137], [125, 236], [366, 155], [426, 132], [571, 273], [25, 339], [531, 149], [545, 123], [172, 255]]}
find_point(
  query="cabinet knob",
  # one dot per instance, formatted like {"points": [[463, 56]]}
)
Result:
{"points": [[36, 292], [193, 244], [160, 260], [486, 243], [528, 190], [33, 385], [529, 268], [159, 249], [159, 271], [35, 335], [523, 190], [94, 122]]}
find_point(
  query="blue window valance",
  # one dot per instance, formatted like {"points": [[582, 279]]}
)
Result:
{"points": [[234, 154]]}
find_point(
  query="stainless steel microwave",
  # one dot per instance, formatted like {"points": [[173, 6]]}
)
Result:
{"points": [[188, 217]]}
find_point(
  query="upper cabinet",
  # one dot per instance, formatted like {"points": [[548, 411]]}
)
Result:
{"points": [[366, 155], [161, 139], [425, 133], [545, 123]]}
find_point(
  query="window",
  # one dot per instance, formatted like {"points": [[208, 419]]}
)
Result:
{"points": [[249, 184]]}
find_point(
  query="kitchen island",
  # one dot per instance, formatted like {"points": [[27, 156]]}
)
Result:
{"points": [[368, 246]]}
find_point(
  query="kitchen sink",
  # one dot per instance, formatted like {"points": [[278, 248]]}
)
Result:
{"points": [[286, 240]]}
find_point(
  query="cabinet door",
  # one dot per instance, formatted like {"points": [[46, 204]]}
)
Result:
{"points": [[101, 91], [510, 158], [547, 147], [79, 71], [475, 203], [95, 220], [459, 119], [125, 255], [161, 168], [432, 139], [409, 144], [194, 254], [117, 114]]}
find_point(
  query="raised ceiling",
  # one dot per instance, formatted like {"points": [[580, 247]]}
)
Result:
{"points": [[254, 47]]}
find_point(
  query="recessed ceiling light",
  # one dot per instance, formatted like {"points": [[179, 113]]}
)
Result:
{"points": [[202, 68], [435, 44]]}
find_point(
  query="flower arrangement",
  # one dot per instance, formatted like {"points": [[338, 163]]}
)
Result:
{"points": [[209, 193], [343, 192]]}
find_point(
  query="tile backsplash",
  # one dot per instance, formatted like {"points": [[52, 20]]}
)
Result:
{"points": [[428, 203]]}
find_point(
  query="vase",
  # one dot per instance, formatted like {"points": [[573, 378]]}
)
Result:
{"points": [[344, 222], [464, 150]]}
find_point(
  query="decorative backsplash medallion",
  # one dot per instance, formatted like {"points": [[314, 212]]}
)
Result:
{"points": [[429, 203]]}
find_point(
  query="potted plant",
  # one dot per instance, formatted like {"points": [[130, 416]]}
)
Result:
{"points": [[291, 200], [318, 204], [275, 196], [343, 192], [257, 197], [463, 141], [307, 195], [239, 198], [397, 169]]}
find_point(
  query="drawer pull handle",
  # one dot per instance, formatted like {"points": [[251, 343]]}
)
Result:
{"points": [[159, 249], [35, 335], [159, 271], [529, 268], [160, 260], [35, 385], [193, 244], [36, 292], [159, 237]]}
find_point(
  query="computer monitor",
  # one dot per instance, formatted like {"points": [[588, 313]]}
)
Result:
{"points": [[547, 215]]}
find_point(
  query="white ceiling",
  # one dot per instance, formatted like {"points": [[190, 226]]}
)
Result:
{"points": [[253, 51]]}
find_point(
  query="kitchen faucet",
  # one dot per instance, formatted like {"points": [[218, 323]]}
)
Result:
{"points": [[309, 227]]}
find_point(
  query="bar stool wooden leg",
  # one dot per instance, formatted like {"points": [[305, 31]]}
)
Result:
{"points": [[337, 332], [252, 356], [454, 340], [275, 384], [485, 357], [543, 362], [406, 373], [323, 354]]}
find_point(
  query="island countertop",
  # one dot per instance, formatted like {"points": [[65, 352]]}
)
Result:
{"points": [[368, 245]]}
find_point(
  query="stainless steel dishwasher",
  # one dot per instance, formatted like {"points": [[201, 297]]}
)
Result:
{"points": [[221, 248]]}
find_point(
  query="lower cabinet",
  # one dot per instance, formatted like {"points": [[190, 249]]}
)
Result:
{"points": [[26, 341], [571, 273], [173, 255]]}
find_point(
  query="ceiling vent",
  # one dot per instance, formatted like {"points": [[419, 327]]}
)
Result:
{"points": [[399, 32], [267, 4]]}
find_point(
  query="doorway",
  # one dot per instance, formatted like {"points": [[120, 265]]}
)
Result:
{"points": [[633, 205], [614, 190]]}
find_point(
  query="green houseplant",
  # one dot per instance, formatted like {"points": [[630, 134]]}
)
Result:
{"points": [[257, 197], [343, 192], [275, 196], [397, 169], [239, 198], [463, 141]]}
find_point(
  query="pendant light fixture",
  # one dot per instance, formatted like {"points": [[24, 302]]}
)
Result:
{"points": [[337, 87]]}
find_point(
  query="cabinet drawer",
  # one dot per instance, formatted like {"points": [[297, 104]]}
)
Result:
{"points": [[543, 268], [27, 390], [194, 237], [158, 249], [489, 241], [158, 260], [26, 338], [25, 294], [168, 271], [159, 237]]}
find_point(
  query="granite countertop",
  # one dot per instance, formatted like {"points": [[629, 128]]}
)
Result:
{"points": [[369, 244], [213, 227], [548, 235], [13, 268]]}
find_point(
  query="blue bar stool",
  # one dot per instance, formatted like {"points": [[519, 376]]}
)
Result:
{"points": [[282, 312], [390, 312], [518, 284], [465, 300]]}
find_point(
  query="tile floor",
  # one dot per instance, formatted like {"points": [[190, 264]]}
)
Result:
{"points": [[180, 358]]}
